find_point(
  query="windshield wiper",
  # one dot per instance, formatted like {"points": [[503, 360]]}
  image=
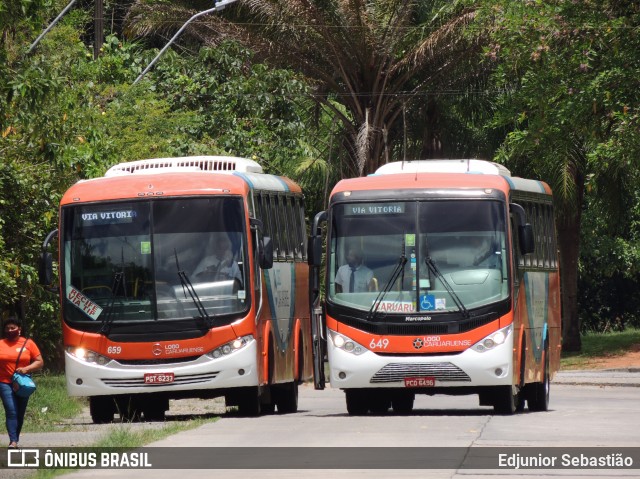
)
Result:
{"points": [[105, 325], [399, 269], [187, 286], [456, 299]]}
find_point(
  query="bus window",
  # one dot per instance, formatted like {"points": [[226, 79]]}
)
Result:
{"points": [[291, 230], [463, 240], [301, 222]]}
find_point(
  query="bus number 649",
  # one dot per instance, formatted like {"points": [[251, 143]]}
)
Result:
{"points": [[379, 344]]}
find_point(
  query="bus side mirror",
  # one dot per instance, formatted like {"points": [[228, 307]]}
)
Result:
{"points": [[525, 230], [45, 264], [265, 246], [315, 251], [265, 253], [45, 269], [525, 234]]}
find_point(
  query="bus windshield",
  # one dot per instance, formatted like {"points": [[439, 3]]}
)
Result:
{"points": [[418, 257], [154, 260]]}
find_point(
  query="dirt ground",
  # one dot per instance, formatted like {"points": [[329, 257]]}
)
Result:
{"points": [[631, 359]]}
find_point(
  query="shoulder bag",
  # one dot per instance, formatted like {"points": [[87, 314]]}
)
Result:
{"points": [[23, 384]]}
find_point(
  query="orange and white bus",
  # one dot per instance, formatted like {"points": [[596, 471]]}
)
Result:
{"points": [[183, 277], [441, 278]]}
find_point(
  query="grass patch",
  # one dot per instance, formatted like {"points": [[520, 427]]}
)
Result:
{"points": [[50, 408], [126, 436], [598, 345]]}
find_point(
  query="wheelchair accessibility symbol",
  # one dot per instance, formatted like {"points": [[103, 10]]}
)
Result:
{"points": [[427, 302]]}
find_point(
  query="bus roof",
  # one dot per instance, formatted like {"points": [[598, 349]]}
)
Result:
{"points": [[187, 176], [445, 174], [217, 164], [470, 166]]}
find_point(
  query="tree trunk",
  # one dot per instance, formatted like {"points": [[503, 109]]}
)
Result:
{"points": [[569, 241], [569, 237]]}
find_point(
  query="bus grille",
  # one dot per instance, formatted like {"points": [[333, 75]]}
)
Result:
{"points": [[395, 372], [178, 381]]}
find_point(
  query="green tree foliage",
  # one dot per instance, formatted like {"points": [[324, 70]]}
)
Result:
{"points": [[249, 109], [609, 276], [369, 62], [364, 82], [29, 182], [568, 77], [66, 116]]}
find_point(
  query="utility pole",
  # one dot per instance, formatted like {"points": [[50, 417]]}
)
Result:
{"points": [[219, 5], [98, 27]]}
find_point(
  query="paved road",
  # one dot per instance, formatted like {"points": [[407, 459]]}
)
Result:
{"points": [[586, 411]]}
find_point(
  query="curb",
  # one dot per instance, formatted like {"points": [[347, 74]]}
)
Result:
{"points": [[618, 377]]}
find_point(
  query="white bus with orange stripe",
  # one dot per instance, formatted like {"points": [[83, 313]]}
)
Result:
{"points": [[145, 322], [462, 293]]}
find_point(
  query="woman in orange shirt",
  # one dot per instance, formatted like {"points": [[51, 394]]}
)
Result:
{"points": [[30, 361]]}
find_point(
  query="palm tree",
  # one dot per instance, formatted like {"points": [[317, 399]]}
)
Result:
{"points": [[369, 61], [566, 99]]}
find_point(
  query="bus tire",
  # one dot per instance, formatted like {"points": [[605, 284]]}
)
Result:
{"points": [[402, 403], [154, 409], [248, 402], [357, 402], [505, 401], [128, 408], [538, 397], [102, 409], [286, 397], [379, 403]]}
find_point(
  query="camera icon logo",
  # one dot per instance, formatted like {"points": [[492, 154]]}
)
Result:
{"points": [[23, 457]]}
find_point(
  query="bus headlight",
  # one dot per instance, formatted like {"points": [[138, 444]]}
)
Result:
{"points": [[347, 344], [88, 356], [230, 347], [493, 340]]}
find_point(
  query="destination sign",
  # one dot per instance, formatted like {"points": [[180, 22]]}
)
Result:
{"points": [[83, 303], [97, 218], [370, 209]]}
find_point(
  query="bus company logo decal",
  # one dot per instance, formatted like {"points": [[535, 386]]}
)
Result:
{"points": [[418, 343], [156, 349]]}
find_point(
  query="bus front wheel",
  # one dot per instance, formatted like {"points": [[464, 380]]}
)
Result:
{"points": [[506, 400], [102, 409], [286, 397], [154, 409], [248, 401], [129, 408], [357, 402], [402, 403]]}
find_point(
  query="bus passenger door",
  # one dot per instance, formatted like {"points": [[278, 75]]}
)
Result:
{"points": [[318, 328]]}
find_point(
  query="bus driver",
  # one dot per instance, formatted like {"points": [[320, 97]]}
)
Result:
{"points": [[354, 277], [221, 264]]}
